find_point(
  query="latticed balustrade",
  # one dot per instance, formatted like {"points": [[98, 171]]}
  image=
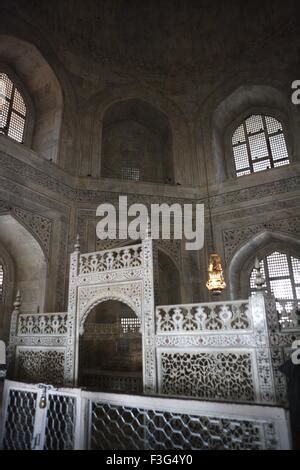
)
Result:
{"points": [[119, 258], [204, 317], [42, 324]]}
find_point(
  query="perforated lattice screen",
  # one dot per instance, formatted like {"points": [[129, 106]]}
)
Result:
{"points": [[12, 110], [259, 144], [282, 274], [132, 174], [130, 325]]}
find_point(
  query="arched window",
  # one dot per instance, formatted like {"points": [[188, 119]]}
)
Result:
{"points": [[1, 282], [282, 274], [12, 109], [259, 144]]}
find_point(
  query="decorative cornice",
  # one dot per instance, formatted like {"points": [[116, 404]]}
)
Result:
{"points": [[14, 167], [257, 192]]}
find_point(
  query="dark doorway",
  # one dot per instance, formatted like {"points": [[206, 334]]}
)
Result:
{"points": [[110, 350]]}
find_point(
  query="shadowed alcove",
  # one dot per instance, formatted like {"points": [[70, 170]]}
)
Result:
{"points": [[136, 143], [110, 349]]}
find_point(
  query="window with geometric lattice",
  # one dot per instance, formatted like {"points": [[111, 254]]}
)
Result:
{"points": [[1, 282], [131, 174], [130, 324], [282, 274], [12, 109], [259, 144]]}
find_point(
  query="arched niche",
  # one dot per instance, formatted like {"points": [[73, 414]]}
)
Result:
{"points": [[169, 285], [28, 259], [229, 106], [136, 142], [110, 349], [244, 101], [41, 84], [241, 264]]}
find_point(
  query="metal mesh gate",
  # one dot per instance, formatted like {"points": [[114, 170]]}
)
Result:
{"points": [[20, 419], [39, 417], [60, 423], [123, 428]]}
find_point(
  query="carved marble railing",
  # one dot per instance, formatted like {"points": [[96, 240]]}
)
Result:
{"points": [[239, 344], [42, 324], [217, 350], [119, 258], [203, 317]]}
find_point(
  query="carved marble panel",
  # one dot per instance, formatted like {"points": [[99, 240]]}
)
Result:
{"points": [[218, 375], [40, 365]]}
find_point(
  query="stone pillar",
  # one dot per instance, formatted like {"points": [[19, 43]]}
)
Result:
{"points": [[71, 366], [266, 384], [148, 319], [11, 349]]}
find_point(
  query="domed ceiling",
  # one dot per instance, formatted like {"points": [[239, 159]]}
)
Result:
{"points": [[166, 38]]}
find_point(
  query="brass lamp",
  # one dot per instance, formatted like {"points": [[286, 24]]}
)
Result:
{"points": [[216, 283]]}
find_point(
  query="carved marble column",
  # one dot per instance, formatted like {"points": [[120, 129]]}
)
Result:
{"points": [[148, 319], [72, 334]]}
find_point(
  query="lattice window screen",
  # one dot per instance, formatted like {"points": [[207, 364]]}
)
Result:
{"points": [[12, 110], [259, 144], [130, 325], [282, 274], [132, 174]]}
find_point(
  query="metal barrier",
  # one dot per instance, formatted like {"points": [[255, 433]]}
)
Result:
{"points": [[42, 417], [36, 417]]}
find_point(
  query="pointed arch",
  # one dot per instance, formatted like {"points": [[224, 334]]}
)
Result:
{"points": [[42, 85], [241, 264], [104, 297], [136, 143], [182, 147], [31, 267], [235, 98]]}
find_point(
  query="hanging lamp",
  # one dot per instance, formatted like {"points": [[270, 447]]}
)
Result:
{"points": [[216, 282]]}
